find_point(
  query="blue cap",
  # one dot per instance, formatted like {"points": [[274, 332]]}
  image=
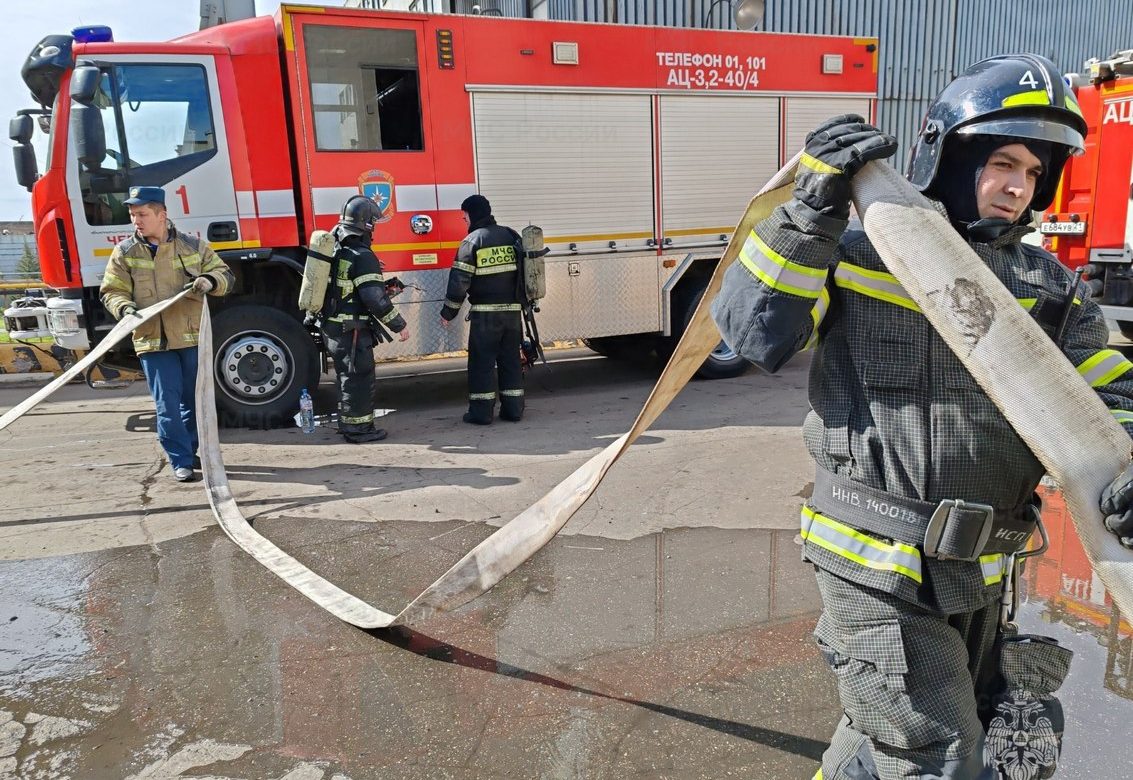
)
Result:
{"points": [[140, 195]]}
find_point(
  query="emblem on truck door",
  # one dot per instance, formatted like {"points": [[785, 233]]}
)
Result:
{"points": [[378, 186]]}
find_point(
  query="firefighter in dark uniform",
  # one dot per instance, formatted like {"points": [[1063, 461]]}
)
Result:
{"points": [[486, 269], [923, 491], [361, 313]]}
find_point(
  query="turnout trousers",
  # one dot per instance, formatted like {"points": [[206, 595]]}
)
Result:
{"points": [[916, 686], [354, 366], [494, 341], [171, 376]]}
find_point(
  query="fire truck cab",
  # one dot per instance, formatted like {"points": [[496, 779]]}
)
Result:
{"points": [[634, 148]]}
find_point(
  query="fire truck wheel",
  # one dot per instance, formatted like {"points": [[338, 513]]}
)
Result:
{"points": [[1126, 329], [635, 347], [264, 359], [723, 362]]}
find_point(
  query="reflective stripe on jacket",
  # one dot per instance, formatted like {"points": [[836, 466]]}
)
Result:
{"points": [[134, 277], [362, 287], [486, 269]]}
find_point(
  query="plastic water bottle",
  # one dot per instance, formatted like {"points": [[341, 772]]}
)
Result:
{"points": [[306, 412]]}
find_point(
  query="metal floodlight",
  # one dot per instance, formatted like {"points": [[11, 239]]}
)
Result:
{"points": [[748, 14]]}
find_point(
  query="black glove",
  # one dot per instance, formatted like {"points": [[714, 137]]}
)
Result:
{"points": [[1117, 506], [834, 152], [129, 309], [394, 287]]}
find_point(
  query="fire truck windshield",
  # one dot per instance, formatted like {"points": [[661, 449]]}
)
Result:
{"points": [[157, 124]]}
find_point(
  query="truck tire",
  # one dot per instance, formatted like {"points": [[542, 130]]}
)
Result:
{"points": [[631, 348], [1126, 329], [723, 362], [263, 360]]}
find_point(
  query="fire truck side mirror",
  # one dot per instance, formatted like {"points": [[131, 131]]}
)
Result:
{"points": [[89, 135], [26, 169], [84, 84], [86, 119], [20, 128]]}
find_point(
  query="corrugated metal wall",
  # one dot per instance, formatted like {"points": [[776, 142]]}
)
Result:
{"points": [[924, 43]]}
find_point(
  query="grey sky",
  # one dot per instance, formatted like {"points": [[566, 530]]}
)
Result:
{"points": [[30, 21]]}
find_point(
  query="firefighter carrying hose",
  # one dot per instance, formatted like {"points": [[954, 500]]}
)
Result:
{"points": [[357, 314], [486, 269], [923, 497], [156, 262]]}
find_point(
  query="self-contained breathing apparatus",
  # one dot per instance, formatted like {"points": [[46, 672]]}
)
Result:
{"points": [[318, 297], [316, 272], [531, 287]]}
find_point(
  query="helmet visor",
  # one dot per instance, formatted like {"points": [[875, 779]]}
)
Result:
{"points": [[1034, 128]]}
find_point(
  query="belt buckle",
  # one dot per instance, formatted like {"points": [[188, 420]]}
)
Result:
{"points": [[939, 520]]}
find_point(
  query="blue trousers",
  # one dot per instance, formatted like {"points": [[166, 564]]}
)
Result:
{"points": [[172, 379]]}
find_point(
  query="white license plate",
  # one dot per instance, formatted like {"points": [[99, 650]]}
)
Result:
{"points": [[1062, 228]]}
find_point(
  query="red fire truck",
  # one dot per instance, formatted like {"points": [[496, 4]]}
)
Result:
{"points": [[1090, 223], [634, 148]]}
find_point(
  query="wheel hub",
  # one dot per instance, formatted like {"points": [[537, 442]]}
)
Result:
{"points": [[724, 352], [253, 367]]}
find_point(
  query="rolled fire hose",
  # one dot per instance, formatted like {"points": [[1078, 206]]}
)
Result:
{"points": [[1039, 392]]}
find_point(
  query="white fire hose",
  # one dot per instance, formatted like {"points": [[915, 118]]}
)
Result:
{"points": [[1044, 398], [1039, 392], [120, 331]]}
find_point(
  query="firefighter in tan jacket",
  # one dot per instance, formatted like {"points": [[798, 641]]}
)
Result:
{"points": [[154, 264]]}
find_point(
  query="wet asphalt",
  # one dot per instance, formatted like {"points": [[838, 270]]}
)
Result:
{"points": [[664, 633]]}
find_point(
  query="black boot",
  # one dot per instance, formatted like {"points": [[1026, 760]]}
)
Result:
{"points": [[364, 435], [470, 418]]}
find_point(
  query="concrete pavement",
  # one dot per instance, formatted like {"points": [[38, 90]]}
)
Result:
{"points": [[663, 633]]}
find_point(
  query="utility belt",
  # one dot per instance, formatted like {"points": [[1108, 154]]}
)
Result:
{"points": [[951, 529], [357, 321]]}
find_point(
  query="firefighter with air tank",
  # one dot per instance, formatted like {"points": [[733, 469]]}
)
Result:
{"points": [[357, 312], [487, 270]]}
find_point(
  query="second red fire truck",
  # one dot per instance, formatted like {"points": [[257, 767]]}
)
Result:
{"points": [[1090, 223]]}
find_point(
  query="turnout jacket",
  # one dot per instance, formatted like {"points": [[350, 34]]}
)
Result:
{"points": [[892, 407], [486, 269], [136, 277], [361, 288]]}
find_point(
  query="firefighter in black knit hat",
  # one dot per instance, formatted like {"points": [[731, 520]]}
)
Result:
{"points": [[486, 270]]}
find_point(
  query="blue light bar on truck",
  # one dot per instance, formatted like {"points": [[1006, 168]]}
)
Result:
{"points": [[95, 33]]}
